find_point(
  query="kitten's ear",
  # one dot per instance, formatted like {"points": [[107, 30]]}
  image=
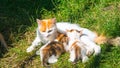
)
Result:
{"points": [[38, 21], [81, 32], [67, 30], [54, 20]]}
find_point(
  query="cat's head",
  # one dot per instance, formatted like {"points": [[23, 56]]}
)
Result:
{"points": [[47, 28], [74, 34]]}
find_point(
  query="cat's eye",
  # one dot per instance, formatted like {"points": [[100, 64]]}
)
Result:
{"points": [[49, 31]]}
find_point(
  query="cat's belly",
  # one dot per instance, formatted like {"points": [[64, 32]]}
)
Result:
{"points": [[63, 26]]}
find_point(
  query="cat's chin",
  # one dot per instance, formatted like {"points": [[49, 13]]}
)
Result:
{"points": [[52, 37]]}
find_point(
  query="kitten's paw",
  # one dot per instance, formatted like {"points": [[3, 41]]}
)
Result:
{"points": [[29, 49], [38, 52], [85, 59], [52, 60], [70, 60]]}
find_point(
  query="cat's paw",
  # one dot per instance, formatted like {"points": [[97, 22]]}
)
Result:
{"points": [[29, 49]]}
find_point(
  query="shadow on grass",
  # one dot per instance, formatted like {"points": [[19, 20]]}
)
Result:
{"points": [[2, 50], [95, 61], [15, 17]]}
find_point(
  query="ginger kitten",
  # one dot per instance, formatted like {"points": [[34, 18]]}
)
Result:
{"points": [[76, 47]]}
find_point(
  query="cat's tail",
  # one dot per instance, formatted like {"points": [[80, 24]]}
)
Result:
{"points": [[103, 39]]}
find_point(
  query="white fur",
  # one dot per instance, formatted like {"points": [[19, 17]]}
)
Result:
{"points": [[52, 59], [72, 56], [90, 45], [83, 53], [60, 27], [63, 26], [73, 37]]}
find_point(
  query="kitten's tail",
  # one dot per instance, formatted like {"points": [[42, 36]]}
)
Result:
{"points": [[112, 41]]}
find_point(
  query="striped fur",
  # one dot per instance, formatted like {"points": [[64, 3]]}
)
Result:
{"points": [[76, 47]]}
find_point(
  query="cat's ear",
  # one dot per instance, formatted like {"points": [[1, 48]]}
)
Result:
{"points": [[38, 21], [54, 20]]}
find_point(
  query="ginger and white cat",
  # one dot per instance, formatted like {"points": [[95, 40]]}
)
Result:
{"points": [[47, 31], [76, 46], [51, 51]]}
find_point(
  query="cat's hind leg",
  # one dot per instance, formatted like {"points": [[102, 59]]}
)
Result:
{"points": [[97, 50]]}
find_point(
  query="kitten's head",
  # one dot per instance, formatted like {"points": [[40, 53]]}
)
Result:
{"points": [[47, 28], [74, 34]]}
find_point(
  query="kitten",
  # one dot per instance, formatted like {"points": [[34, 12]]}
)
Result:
{"points": [[52, 50], [48, 28], [3, 41], [76, 47]]}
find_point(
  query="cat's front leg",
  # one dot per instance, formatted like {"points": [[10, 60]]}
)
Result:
{"points": [[35, 43]]}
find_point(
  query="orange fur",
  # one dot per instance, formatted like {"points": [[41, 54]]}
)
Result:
{"points": [[46, 24], [77, 51], [101, 39], [53, 48]]}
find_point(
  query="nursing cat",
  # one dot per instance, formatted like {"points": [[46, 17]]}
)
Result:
{"points": [[51, 51], [77, 48], [47, 31]]}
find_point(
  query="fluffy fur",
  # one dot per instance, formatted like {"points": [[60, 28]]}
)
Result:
{"points": [[52, 50], [47, 31], [76, 47], [102, 39]]}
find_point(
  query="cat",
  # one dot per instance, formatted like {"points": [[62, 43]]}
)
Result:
{"points": [[48, 28], [77, 48], [3, 42], [52, 50]]}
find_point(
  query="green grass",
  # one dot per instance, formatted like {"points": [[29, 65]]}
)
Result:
{"points": [[18, 24]]}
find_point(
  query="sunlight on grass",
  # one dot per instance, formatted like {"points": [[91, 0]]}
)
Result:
{"points": [[18, 25]]}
